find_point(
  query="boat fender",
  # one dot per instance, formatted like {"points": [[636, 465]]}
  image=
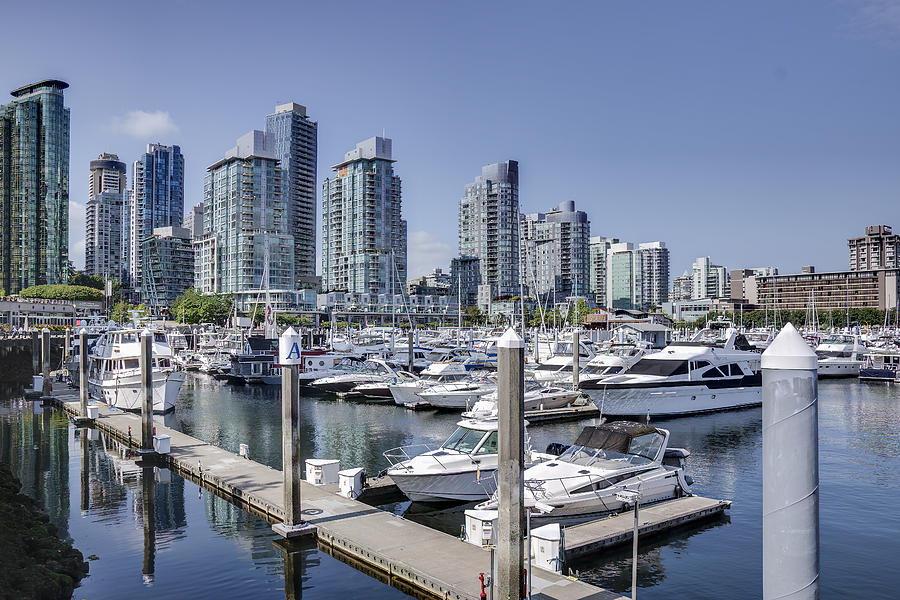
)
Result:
{"points": [[689, 480]]}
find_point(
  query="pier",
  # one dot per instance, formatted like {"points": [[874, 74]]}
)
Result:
{"points": [[434, 563]]}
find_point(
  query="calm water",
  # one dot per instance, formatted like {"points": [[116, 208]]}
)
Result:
{"points": [[207, 548]]}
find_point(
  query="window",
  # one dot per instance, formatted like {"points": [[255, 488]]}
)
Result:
{"points": [[463, 440], [490, 445], [659, 367], [714, 372]]}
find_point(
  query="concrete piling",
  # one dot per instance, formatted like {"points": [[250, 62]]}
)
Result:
{"points": [[83, 372], [35, 353], [147, 391], [289, 358], [148, 514], [576, 358], [790, 456], [45, 361], [410, 359], [511, 440]]}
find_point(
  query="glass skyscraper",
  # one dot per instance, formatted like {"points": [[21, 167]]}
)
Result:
{"points": [[362, 224], [157, 200], [103, 218], [34, 187], [294, 136], [555, 251]]}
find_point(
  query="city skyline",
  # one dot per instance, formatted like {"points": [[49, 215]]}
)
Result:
{"points": [[765, 131]]}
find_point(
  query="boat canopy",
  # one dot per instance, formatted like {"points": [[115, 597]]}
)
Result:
{"points": [[615, 436]]}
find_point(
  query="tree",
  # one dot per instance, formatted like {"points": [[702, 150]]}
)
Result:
{"points": [[193, 307], [91, 281], [121, 312], [62, 292]]}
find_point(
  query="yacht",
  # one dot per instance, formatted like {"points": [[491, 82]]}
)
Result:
{"points": [[458, 395], [582, 483], [616, 359], [683, 378], [406, 392], [380, 391], [881, 364], [559, 366], [840, 355], [538, 396], [463, 468], [370, 371], [319, 363], [114, 374]]}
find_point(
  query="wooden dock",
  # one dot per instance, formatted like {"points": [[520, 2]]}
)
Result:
{"points": [[432, 562], [589, 538]]}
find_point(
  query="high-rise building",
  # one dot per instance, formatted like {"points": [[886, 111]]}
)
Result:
{"points": [[244, 215], [598, 248], [742, 283], [709, 280], [103, 218], [157, 200], [193, 221], [168, 266], [879, 249], [637, 278], [554, 246], [363, 231], [34, 187], [295, 142], [489, 226], [465, 275], [682, 287]]}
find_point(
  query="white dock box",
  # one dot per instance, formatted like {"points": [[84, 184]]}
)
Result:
{"points": [[546, 546], [321, 471], [37, 383], [93, 411], [481, 526], [351, 482], [161, 443]]}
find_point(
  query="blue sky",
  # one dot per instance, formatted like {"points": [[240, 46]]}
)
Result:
{"points": [[758, 133]]}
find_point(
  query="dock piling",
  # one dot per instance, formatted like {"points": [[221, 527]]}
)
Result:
{"points": [[45, 361], [790, 457], [289, 357], [511, 438], [82, 372], [146, 391], [576, 358], [410, 359], [35, 353]]}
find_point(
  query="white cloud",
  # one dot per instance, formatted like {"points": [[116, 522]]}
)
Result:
{"points": [[425, 252], [877, 20], [143, 124]]}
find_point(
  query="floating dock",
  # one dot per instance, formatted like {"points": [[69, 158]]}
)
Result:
{"points": [[594, 536], [432, 562]]}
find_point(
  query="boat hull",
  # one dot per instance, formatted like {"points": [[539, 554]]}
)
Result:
{"points": [[126, 393], [834, 370], [673, 401], [465, 486]]}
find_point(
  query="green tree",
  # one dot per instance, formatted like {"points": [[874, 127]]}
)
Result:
{"points": [[91, 281], [62, 292]]}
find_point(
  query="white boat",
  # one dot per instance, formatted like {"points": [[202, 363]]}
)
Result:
{"points": [[463, 468], [318, 364], [582, 483], [559, 366], [380, 391], [457, 395], [406, 392], [682, 379], [616, 359], [840, 355], [538, 396], [370, 371], [882, 364], [114, 374]]}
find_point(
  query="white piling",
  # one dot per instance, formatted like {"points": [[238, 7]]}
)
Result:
{"points": [[45, 361], [83, 372], [511, 441], [146, 391], [790, 468], [576, 358]]}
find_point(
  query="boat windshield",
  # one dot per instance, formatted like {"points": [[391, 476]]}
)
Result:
{"points": [[463, 440], [660, 367], [641, 451], [833, 354], [626, 352]]}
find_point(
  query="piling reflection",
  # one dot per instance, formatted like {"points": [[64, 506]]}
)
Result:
{"points": [[148, 514], [295, 553]]}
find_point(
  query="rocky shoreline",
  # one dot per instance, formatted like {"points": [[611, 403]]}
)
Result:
{"points": [[36, 563]]}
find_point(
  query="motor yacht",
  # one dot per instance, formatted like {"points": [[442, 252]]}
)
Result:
{"points": [[457, 395], [370, 371], [583, 481], [463, 468], [683, 378], [614, 360], [558, 367], [380, 391], [881, 364], [840, 355], [538, 396], [114, 374], [406, 392]]}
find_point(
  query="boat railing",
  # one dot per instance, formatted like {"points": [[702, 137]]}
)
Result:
{"points": [[573, 484], [399, 455]]}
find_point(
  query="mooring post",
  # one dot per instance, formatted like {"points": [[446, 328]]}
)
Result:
{"points": [[289, 356], [537, 350], [35, 353], [511, 439], [45, 361], [576, 358], [409, 361], [66, 344], [83, 372], [148, 512], [147, 391], [790, 457]]}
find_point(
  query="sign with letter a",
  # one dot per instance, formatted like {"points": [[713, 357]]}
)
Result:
{"points": [[289, 348]]}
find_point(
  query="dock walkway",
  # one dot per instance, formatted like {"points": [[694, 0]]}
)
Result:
{"points": [[429, 560]]}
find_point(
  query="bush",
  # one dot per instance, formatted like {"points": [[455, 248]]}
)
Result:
{"points": [[61, 292]]}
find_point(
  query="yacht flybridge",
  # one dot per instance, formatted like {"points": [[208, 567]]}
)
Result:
{"points": [[840, 355], [684, 378], [114, 371], [582, 482]]}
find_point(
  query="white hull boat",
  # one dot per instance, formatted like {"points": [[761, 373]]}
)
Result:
{"points": [[125, 392]]}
